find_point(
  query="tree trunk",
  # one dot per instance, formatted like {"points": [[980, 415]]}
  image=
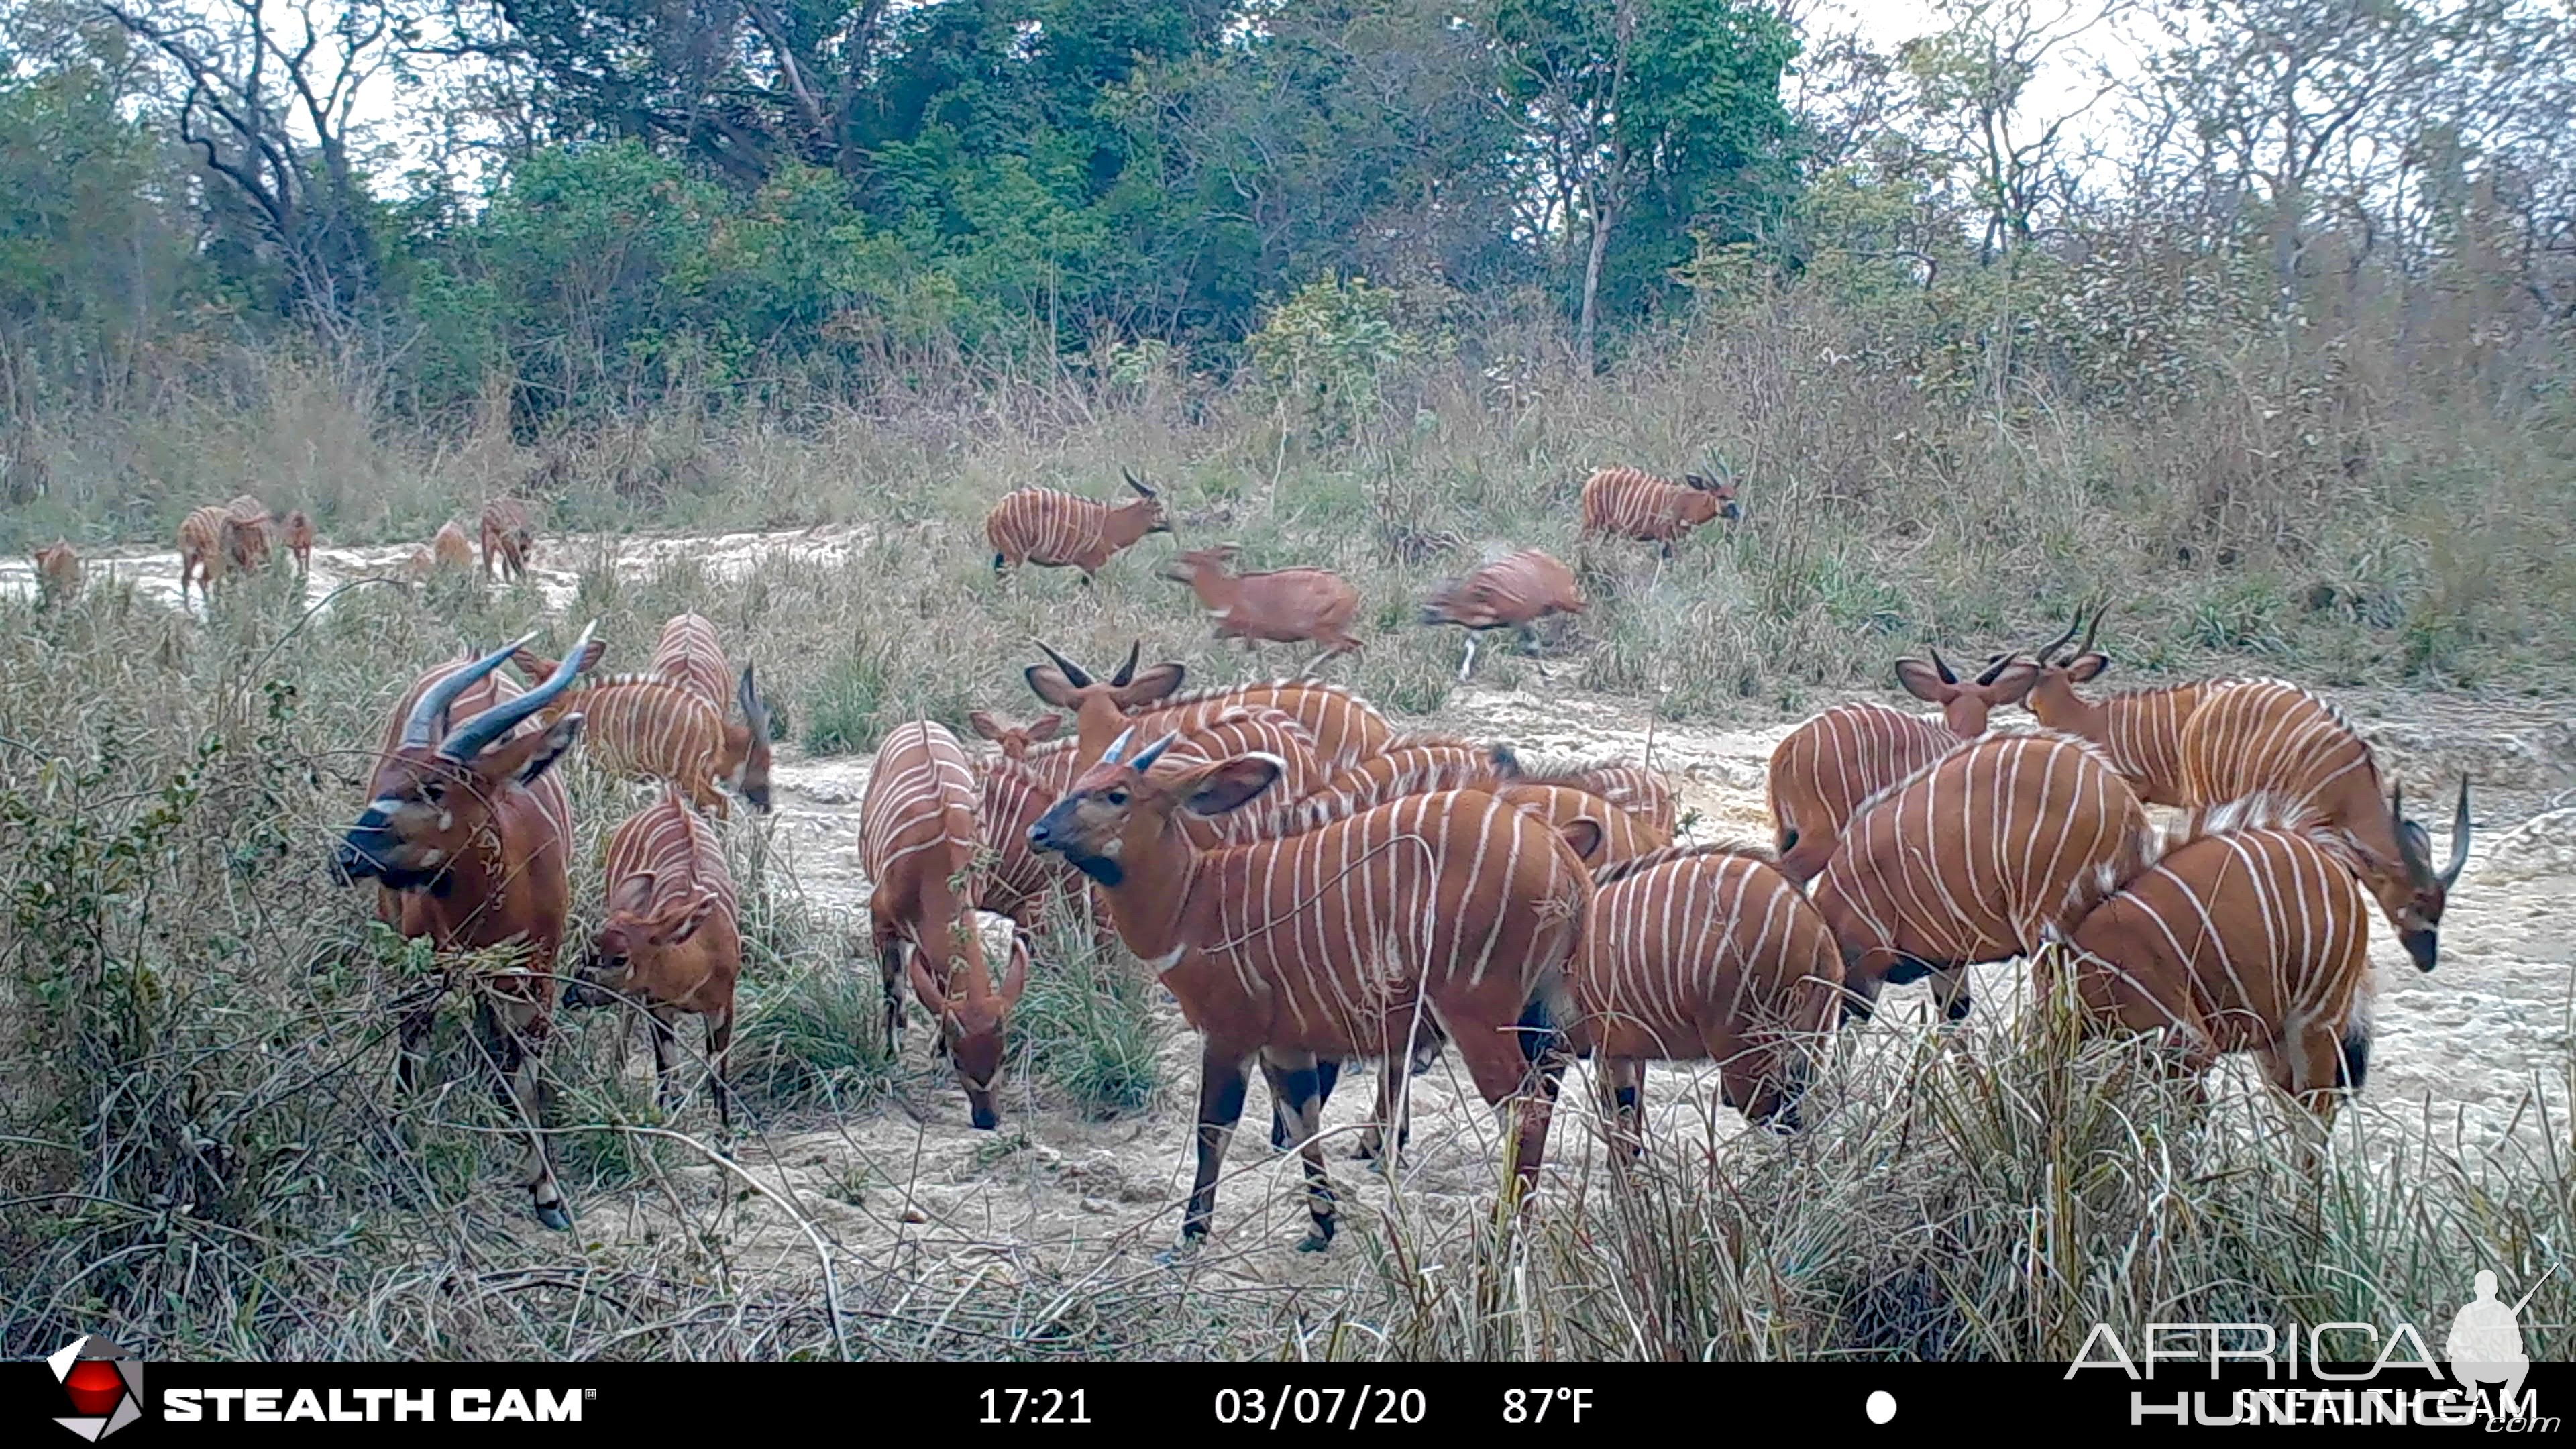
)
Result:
{"points": [[1601, 222]]}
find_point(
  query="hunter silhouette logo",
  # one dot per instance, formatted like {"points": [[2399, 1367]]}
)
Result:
{"points": [[105, 1386]]}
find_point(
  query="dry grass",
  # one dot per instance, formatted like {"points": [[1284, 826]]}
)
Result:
{"points": [[206, 1155]]}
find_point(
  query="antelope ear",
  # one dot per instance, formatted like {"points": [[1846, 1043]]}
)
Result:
{"points": [[1148, 686], [632, 894], [525, 759], [1229, 784], [922, 986], [687, 919], [1585, 835], [2084, 666], [590, 656], [1045, 727], [1924, 682], [532, 664], [2011, 682], [1048, 683], [984, 724]]}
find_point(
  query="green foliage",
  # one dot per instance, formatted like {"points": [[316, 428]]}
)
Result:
{"points": [[1327, 349]]}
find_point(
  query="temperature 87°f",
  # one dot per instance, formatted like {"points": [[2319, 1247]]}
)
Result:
{"points": [[1542, 1406]]}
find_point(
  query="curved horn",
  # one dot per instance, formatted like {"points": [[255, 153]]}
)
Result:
{"points": [[2048, 651], [2459, 837], [1944, 666], [434, 702], [2094, 628], [469, 739], [1136, 483], [1074, 674], [1153, 752], [1995, 667], [1117, 746], [1127, 671]]}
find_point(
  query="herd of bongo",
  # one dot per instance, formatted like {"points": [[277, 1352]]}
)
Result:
{"points": [[240, 537], [1055, 529], [1315, 887]]}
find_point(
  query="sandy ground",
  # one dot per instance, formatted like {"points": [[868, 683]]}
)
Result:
{"points": [[2467, 1052]]}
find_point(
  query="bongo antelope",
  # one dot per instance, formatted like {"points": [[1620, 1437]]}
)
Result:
{"points": [[670, 945], [1058, 530]]}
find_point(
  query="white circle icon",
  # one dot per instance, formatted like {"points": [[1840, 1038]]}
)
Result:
{"points": [[1882, 1406]]}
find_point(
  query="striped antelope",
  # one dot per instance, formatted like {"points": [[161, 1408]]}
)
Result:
{"points": [[1634, 504], [58, 574], [468, 830], [670, 945], [1825, 767], [1012, 795], [1700, 953], [2141, 731], [212, 539], [1059, 530], [1254, 731], [507, 539], [918, 842], [1346, 728], [1513, 592], [1015, 740], [646, 727], [1641, 791], [2267, 737], [298, 537], [1333, 943], [1277, 606], [1974, 858], [1100, 710], [1393, 775], [2249, 935], [689, 653], [1618, 834]]}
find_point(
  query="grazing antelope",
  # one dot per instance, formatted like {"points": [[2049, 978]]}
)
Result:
{"points": [[1825, 767], [1015, 740], [508, 539], [917, 842], [467, 826], [1633, 504], [1701, 953], [670, 944], [1278, 606], [2141, 731], [1636, 789], [298, 536], [1058, 530], [646, 727], [689, 654], [2249, 935], [1974, 858], [2264, 736], [1334, 943], [58, 574], [1618, 835], [1510, 593], [212, 538]]}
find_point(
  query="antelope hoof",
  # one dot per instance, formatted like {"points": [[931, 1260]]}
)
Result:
{"points": [[553, 1216], [1957, 1009], [1315, 1242]]}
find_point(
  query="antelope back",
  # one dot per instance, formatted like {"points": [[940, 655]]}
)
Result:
{"points": [[1822, 771], [1048, 527], [1706, 953], [2247, 931], [1624, 836], [645, 725], [1345, 728], [1979, 855], [690, 653]]}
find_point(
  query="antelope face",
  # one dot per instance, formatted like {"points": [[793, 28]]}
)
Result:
{"points": [[1715, 500], [628, 953], [2414, 898], [1115, 814], [972, 1022], [423, 809]]}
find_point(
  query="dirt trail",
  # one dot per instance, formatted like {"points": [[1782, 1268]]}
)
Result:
{"points": [[2461, 1051], [2458, 1051]]}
